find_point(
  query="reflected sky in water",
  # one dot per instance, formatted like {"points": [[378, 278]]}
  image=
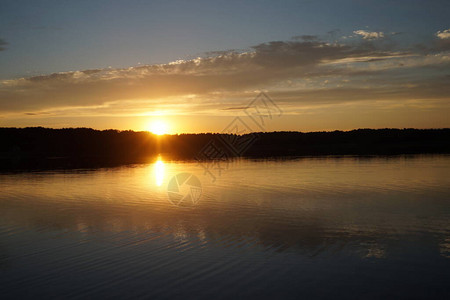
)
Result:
{"points": [[372, 226]]}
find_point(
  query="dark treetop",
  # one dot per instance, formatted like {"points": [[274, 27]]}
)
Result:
{"points": [[37, 147]]}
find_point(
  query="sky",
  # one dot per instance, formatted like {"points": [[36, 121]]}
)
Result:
{"points": [[194, 66]]}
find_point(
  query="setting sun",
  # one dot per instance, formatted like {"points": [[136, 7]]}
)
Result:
{"points": [[158, 127]]}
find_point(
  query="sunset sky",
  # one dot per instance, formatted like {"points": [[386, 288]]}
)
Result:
{"points": [[195, 65]]}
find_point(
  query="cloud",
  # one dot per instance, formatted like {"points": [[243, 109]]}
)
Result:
{"points": [[369, 35], [266, 64], [306, 37], [445, 34], [441, 44], [435, 89], [225, 79], [2, 44]]}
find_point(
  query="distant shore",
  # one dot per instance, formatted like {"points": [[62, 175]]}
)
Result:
{"points": [[46, 148]]}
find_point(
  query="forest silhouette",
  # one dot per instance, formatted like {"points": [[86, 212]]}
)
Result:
{"points": [[46, 148]]}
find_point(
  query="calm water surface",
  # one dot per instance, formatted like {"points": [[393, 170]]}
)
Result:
{"points": [[313, 227]]}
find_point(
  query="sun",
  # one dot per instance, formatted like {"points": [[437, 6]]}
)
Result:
{"points": [[158, 127]]}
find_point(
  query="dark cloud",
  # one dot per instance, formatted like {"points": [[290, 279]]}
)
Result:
{"points": [[222, 52], [333, 33], [306, 37], [436, 46], [236, 108], [435, 89], [3, 43], [36, 114]]}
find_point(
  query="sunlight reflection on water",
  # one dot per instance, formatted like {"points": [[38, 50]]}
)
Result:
{"points": [[159, 171]]}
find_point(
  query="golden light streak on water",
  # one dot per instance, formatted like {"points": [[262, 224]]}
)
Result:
{"points": [[159, 169]]}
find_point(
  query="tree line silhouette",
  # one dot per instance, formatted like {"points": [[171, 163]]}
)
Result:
{"points": [[38, 147]]}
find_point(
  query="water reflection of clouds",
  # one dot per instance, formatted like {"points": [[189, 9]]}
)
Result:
{"points": [[272, 230], [445, 248], [374, 250]]}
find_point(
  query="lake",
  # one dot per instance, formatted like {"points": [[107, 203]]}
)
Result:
{"points": [[323, 227]]}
